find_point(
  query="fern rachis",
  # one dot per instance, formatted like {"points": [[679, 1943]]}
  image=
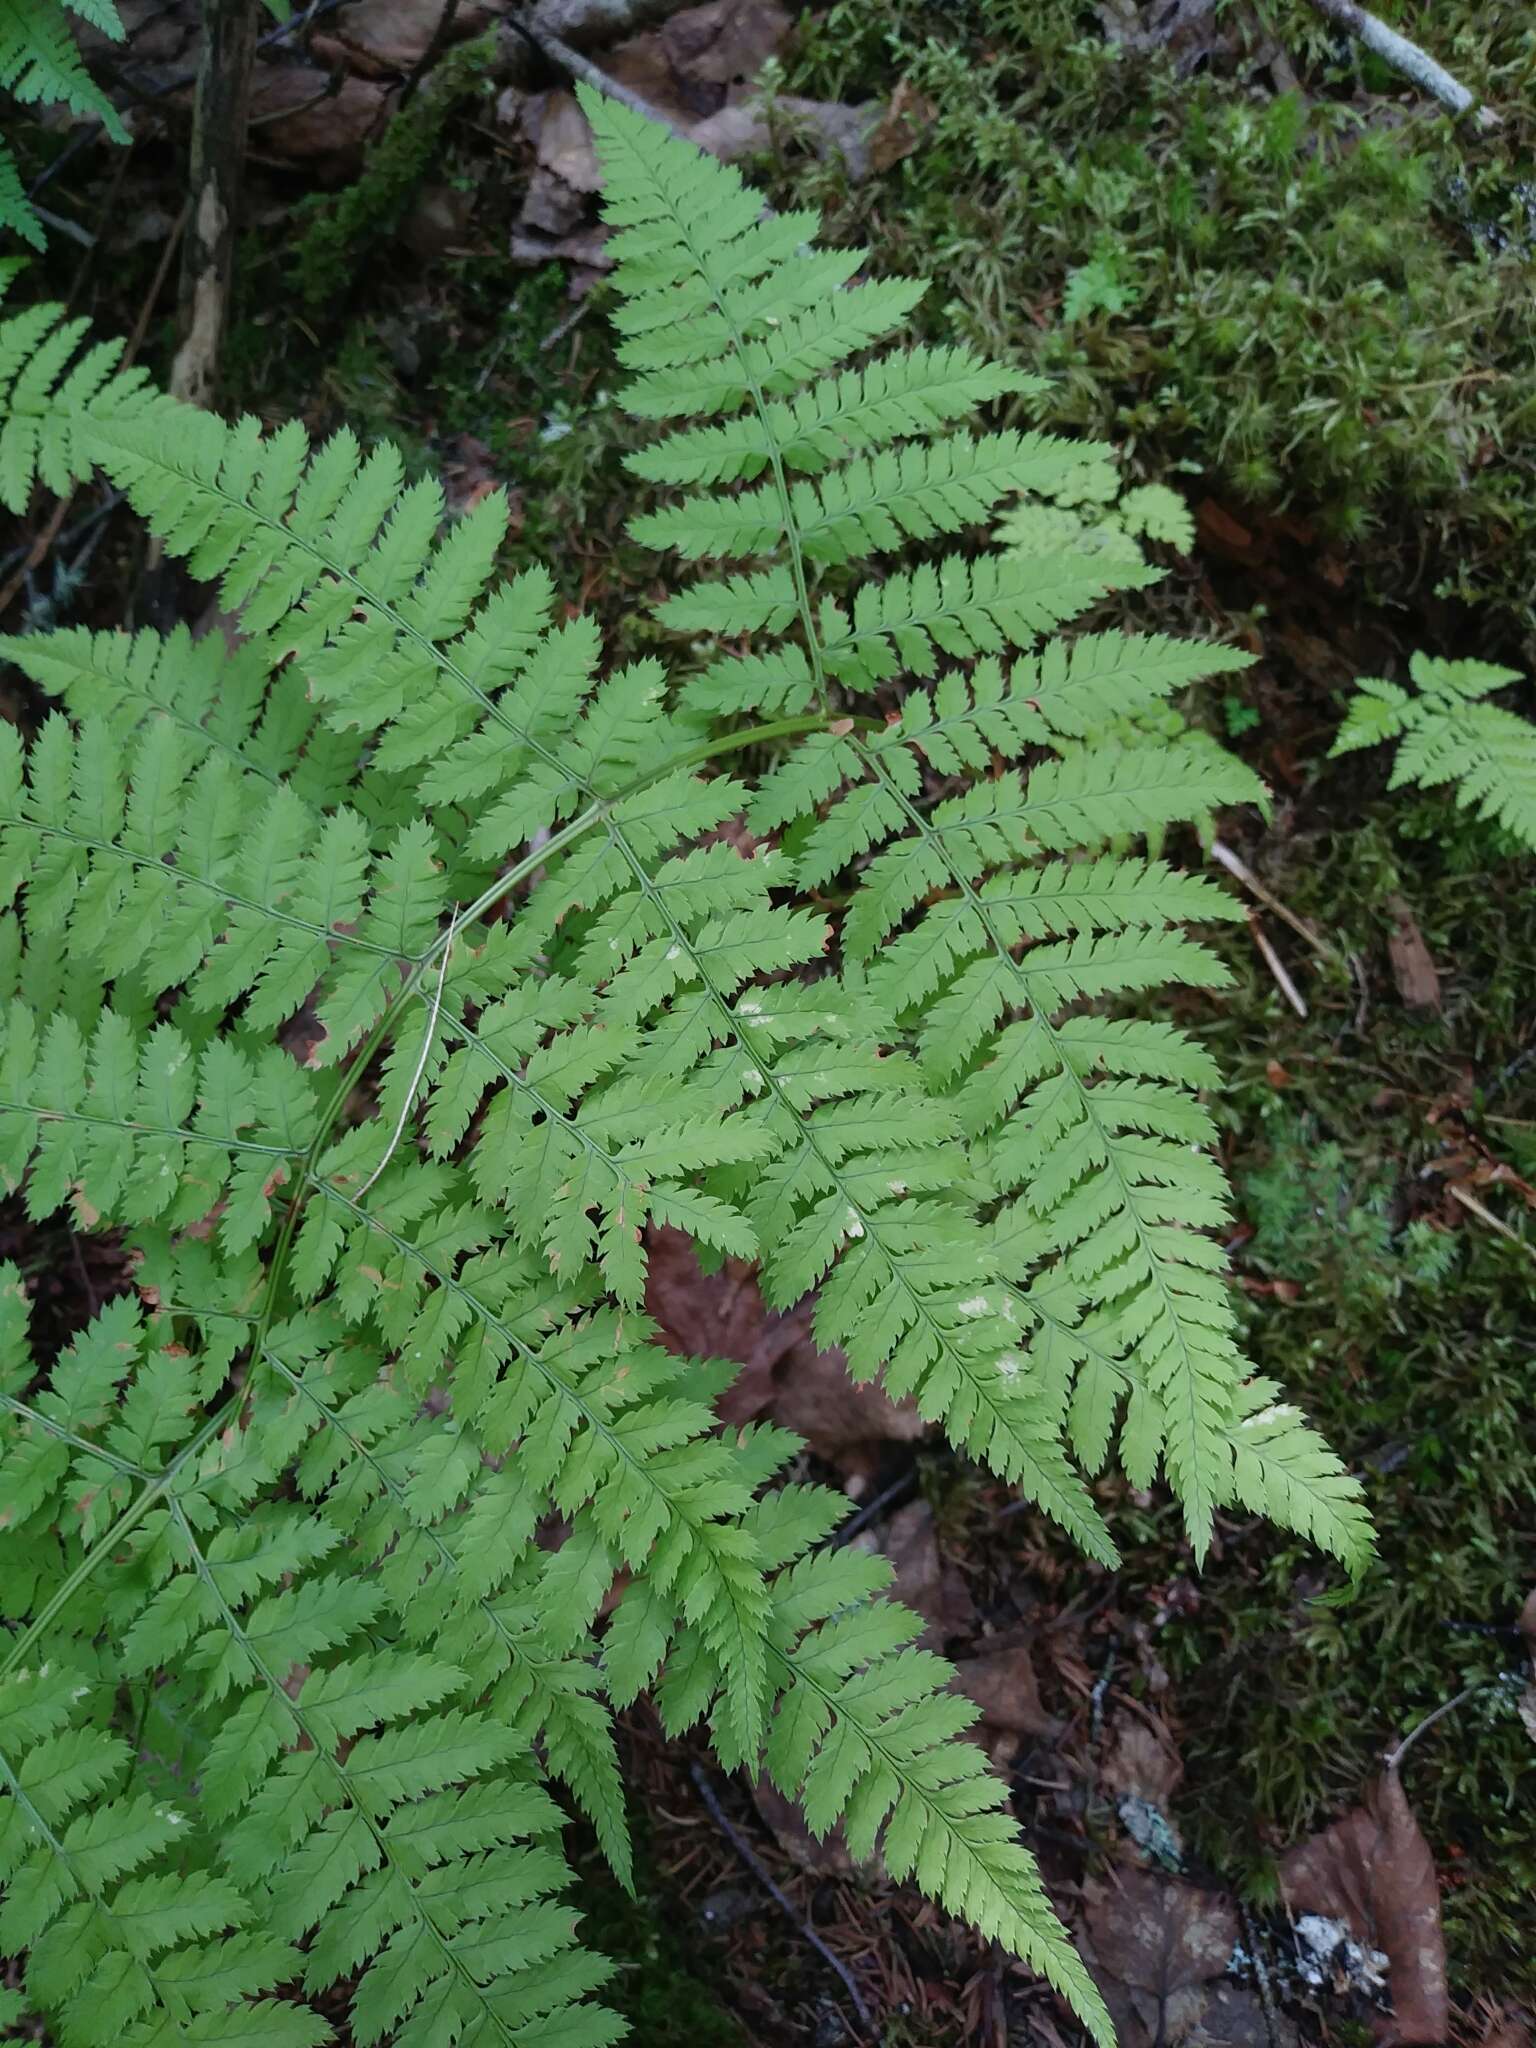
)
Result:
{"points": [[349, 1484]]}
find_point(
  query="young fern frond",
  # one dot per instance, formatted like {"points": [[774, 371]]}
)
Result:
{"points": [[1449, 732], [387, 978]]}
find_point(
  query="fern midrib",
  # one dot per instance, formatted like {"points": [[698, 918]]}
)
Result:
{"points": [[530, 1358], [1187, 1374], [10, 1782], [159, 865], [869, 1225], [1048, 1939], [64, 1435], [390, 1485], [307, 1179], [549, 1701], [775, 459], [122, 1123]]}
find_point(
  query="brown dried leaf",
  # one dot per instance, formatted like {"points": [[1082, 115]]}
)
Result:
{"points": [[924, 1581], [1373, 1871], [328, 132], [566, 149], [1160, 1946], [722, 1315], [383, 38], [901, 127], [1413, 968], [1142, 1764], [1191, 33], [825, 127], [1002, 1682], [828, 1857], [724, 40]]}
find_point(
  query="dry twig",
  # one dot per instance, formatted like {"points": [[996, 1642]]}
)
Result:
{"points": [[1405, 57], [1277, 967], [1237, 867], [780, 1898]]}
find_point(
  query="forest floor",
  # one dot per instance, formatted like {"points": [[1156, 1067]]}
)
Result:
{"points": [[1173, 1737]]}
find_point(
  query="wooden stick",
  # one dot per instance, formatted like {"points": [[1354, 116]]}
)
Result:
{"points": [[1236, 866], [218, 165], [1405, 57], [1276, 966]]}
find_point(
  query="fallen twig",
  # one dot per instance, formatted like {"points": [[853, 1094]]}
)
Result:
{"points": [[559, 52], [1405, 57], [1484, 1214], [1394, 1756], [433, 50], [218, 164], [781, 1899], [1276, 966], [1237, 867]]}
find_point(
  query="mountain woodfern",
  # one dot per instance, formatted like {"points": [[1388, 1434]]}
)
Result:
{"points": [[381, 974], [1448, 732]]}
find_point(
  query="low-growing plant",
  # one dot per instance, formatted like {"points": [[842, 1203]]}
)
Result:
{"points": [[1321, 295], [1448, 732], [383, 977]]}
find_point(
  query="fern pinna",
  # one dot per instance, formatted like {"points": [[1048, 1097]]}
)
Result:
{"points": [[381, 978], [1448, 732]]}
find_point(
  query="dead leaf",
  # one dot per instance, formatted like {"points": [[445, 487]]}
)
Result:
{"points": [[924, 1581], [1160, 1946], [328, 133], [724, 40], [828, 1857], [1190, 33], [1002, 1682], [387, 38], [565, 146], [784, 1376], [1142, 1763], [824, 127], [1373, 1871], [1220, 532], [1413, 968], [901, 127]]}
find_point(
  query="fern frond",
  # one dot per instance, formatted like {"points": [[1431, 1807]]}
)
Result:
{"points": [[1448, 732], [397, 1494]]}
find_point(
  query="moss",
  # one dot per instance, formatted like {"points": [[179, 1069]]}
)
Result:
{"points": [[336, 231], [659, 1983], [1408, 1330], [1326, 302]]}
